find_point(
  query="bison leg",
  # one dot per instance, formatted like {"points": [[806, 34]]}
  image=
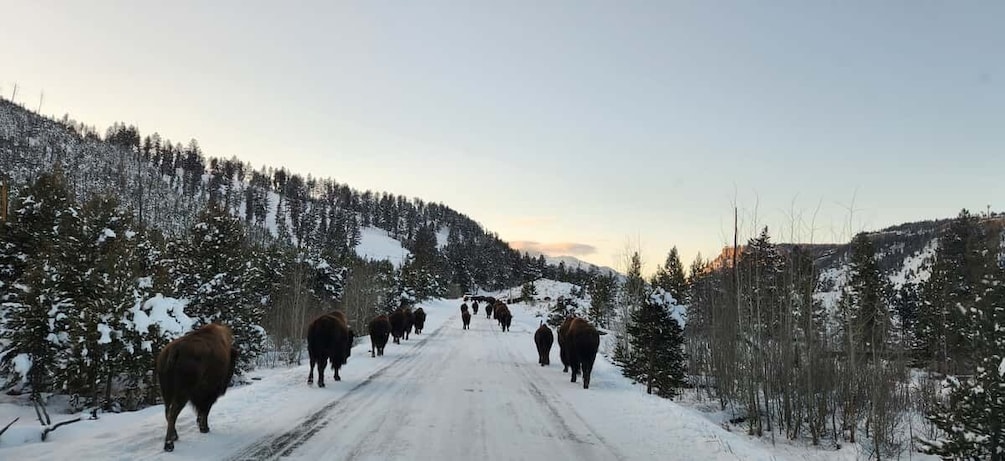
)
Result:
{"points": [[322, 364], [172, 409], [203, 420], [575, 371], [310, 377], [336, 368]]}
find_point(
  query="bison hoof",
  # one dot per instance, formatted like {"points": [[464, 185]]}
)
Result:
{"points": [[321, 384], [168, 446]]}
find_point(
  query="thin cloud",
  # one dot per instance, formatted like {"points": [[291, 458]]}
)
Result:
{"points": [[555, 248]]}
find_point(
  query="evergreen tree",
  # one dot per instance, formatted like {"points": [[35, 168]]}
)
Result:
{"points": [[632, 297], [214, 269], [866, 296], [973, 418], [670, 277], [951, 290], [657, 343], [112, 264], [528, 291], [602, 289], [41, 241]]}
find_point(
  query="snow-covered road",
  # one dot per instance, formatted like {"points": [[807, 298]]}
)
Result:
{"points": [[448, 394]]}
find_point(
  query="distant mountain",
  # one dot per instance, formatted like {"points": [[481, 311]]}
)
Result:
{"points": [[572, 262]]}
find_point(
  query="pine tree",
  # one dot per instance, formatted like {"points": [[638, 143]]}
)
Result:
{"points": [[657, 343], [973, 418], [631, 298], [41, 240], [957, 270], [867, 296], [670, 277], [214, 270], [113, 282], [602, 289]]}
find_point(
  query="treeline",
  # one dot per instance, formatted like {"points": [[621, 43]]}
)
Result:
{"points": [[760, 341]]}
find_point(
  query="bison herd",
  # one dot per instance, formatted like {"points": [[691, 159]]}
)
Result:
{"points": [[578, 341], [199, 366]]}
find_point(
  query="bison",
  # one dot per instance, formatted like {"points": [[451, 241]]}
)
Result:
{"points": [[503, 315], [563, 347], [464, 307], [352, 333], [474, 308], [420, 320], [328, 339], [488, 310], [466, 320], [409, 321], [195, 368], [380, 329], [397, 319], [583, 340], [543, 338]]}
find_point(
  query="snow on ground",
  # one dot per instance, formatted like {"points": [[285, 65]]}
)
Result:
{"points": [[441, 237], [375, 244], [445, 394]]}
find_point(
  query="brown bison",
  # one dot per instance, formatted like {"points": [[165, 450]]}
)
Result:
{"points": [[464, 307], [409, 321], [329, 339], [419, 320], [397, 319], [466, 320], [563, 347], [543, 338], [583, 341], [488, 310], [352, 333], [195, 368], [504, 316], [474, 308], [380, 329]]}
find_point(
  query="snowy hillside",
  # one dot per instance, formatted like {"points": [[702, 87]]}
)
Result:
{"points": [[446, 394], [376, 244]]}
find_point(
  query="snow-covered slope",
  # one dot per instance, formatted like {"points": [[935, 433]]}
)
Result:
{"points": [[446, 394], [375, 244]]}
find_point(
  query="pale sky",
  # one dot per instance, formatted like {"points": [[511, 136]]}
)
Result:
{"points": [[590, 128]]}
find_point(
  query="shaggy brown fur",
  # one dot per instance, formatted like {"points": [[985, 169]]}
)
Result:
{"points": [[503, 315], [466, 319], [195, 368], [409, 321], [543, 339], [583, 340], [328, 339], [420, 320], [474, 308], [380, 329], [563, 348], [397, 319]]}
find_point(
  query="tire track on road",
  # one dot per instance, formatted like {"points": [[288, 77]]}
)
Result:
{"points": [[283, 443]]}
